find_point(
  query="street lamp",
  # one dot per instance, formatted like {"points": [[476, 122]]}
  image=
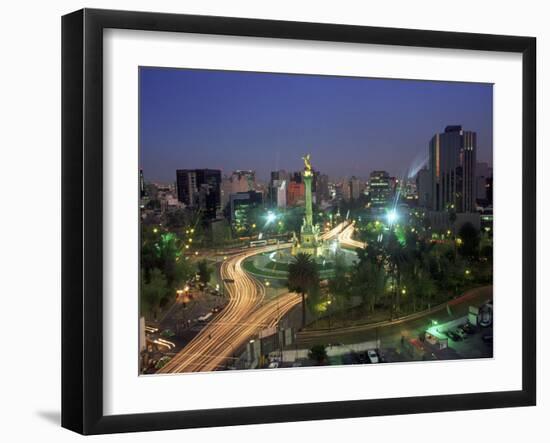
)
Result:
{"points": [[392, 216], [271, 217]]}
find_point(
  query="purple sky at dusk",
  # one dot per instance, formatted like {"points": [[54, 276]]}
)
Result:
{"points": [[351, 126]]}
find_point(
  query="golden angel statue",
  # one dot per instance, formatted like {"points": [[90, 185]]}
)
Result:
{"points": [[307, 162]]}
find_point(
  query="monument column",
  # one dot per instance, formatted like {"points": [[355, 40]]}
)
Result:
{"points": [[308, 177], [309, 234]]}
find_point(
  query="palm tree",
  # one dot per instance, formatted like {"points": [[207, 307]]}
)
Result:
{"points": [[303, 278]]}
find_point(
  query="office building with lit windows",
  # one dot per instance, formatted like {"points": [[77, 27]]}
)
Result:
{"points": [[452, 160], [380, 189]]}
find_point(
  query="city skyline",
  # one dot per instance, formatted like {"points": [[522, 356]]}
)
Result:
{"points": [[234, 120]]}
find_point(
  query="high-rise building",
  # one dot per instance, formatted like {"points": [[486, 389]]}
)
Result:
{"points": [[380, 189], [186, 185], [321, 188], [296, 177], [242, 205], [141, 184], [351, 188], [281, 174], [277, 189], [225, 188], [452, 158], [424, 187], [243, 181], [483, 173], [489, 191], [277, 193], [295, 193], [201, 189]]}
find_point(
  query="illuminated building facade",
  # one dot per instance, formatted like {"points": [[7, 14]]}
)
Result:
{"points": [[452, 158]]}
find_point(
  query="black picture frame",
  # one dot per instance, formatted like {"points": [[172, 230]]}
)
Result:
{"points": [[82, 215]]}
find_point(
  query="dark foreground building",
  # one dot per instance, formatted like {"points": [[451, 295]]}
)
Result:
{"points": [[200, 189], [452, 158]]}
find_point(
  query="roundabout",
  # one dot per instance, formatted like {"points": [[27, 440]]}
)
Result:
{"points": [[274, 264]]}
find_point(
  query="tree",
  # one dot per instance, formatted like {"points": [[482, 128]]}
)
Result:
{"points": [[154, 292], [183, 272], [451, 212], [469, 241], [318, 354], [168, 250], [303, 278], [339, 285], [369, 275], [367, 282], [396, 258], [204, 272], [423, 287]]}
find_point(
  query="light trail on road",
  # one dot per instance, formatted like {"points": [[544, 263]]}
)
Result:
{"points": [[344, 237], [243, 317], [333, 232]]}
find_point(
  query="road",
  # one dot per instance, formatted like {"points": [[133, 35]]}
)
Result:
{"points": [[345, 237], [391, 331], [245, 314], [242, 318]]}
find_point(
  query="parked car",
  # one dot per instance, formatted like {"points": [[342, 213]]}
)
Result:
{"points": [[453, 335], [373, 356], [273, 365], [460, 332]]}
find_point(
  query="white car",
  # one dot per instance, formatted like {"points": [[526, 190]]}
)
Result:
{"points": [[273, 365], [373, 356]]}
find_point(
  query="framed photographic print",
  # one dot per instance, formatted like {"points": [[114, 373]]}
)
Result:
{"points": [[269, 221]]}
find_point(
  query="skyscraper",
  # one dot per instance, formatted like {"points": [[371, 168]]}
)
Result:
{"points": [[141, 184], [321, 188], [277, 191], [424, 187], [380, 191], [483, 173], [351, 188], [452, 159], [243, 181], [242, 205], [201, 189]]}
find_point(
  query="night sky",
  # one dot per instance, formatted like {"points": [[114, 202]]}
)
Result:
{"points": [[351, 126]]}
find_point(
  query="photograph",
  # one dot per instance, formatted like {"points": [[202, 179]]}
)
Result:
{"points": [[296, 220]]}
